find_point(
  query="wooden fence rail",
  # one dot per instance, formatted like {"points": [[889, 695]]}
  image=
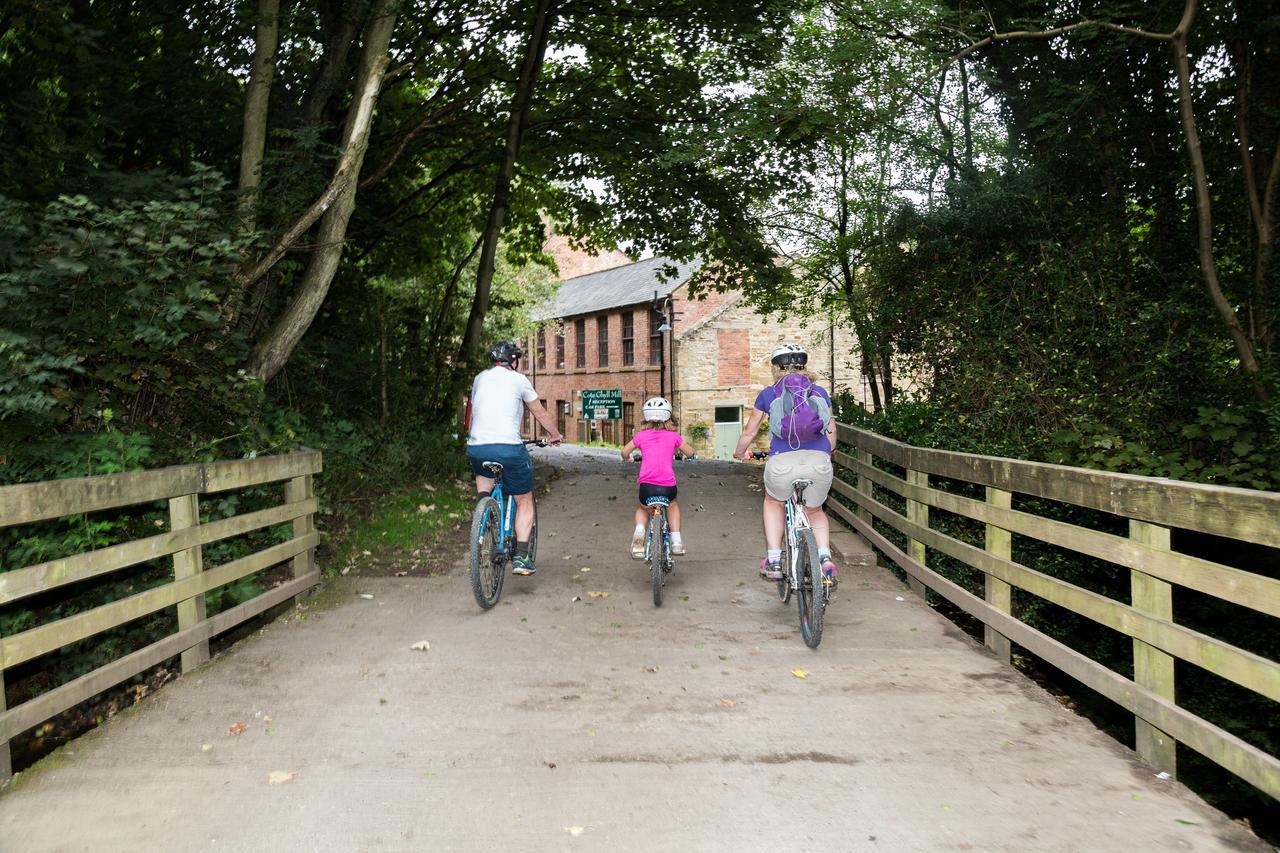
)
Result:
{"points": [[1153, 507], [181, 486]]}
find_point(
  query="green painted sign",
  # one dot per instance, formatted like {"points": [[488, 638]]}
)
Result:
{"points": [[602, 404]]}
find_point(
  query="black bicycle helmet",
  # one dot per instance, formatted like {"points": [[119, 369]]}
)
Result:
{"points": [[506, 352]]}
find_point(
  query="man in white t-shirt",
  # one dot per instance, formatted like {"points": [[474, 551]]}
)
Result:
{"points": [[499, 398]]}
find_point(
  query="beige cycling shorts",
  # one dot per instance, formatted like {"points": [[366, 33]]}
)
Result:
{"points": [[784, 469]]}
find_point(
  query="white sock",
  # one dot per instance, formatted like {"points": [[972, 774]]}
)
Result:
{"points": [[639, 530], [675, 538]]}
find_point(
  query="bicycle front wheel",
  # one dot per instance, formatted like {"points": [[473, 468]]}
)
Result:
{"points": [[533, 533], [658, 556], [486, 557], [811, 600]]}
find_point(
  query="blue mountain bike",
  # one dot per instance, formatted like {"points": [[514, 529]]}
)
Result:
{"points": [[493, 538]]}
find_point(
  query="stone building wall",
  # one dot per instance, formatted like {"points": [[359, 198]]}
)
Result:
{"points": [[724, 362]]}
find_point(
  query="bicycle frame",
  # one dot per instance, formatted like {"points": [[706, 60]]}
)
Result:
{"points": [[658, 507], [506, 514], [796, 520]]}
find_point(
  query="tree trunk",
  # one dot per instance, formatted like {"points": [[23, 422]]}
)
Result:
{"points": [[535, 50], [886, 373], [382, 359], [253, 140], [1204, 221], [966, 116], [334, 61], [869, 373], [275, 348]]}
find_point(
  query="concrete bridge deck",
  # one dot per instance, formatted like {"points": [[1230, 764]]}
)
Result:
{"points": [[552, 723]]}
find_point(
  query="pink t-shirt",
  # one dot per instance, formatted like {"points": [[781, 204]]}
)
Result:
{"points": [[658, 447]]}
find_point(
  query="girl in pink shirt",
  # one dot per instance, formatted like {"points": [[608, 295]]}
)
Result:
{"points": [[658, 440]]}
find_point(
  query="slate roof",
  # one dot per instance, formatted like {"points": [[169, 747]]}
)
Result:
{"points": [[629, 284]]}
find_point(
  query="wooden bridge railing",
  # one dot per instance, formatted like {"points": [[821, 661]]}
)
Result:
{"points": [[181, 486], [1153, 507]]}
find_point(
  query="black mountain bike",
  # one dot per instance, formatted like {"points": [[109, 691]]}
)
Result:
{"points": [[657, 545]]}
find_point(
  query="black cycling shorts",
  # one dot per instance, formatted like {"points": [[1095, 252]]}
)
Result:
{"points": [[649, 490]]}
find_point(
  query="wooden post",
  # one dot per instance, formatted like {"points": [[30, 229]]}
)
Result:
{"points": [[299, 489], [1152, 668], [919, 513], [999, 594], [184, 512], [6, 768], [864, 486]]}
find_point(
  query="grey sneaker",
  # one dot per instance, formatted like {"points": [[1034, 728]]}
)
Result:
{"points": [[677, 548], [523, 565], [637, 547]]}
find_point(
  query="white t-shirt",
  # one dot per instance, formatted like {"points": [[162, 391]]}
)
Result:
{"points": [[498, 396]]}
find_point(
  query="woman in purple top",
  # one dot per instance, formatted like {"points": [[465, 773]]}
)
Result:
{"points": [[803, 437]]}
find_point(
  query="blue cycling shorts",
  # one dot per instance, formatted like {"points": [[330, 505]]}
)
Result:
{"points": [[517, 467]]}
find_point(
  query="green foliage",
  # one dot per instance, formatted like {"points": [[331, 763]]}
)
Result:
{"points": [[118, 302]]}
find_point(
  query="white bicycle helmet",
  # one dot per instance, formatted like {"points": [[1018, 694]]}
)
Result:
{"points": [[657, 409], [787, 355]]}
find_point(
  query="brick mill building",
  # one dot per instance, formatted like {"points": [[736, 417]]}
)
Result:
{"points": [[631, 329]]}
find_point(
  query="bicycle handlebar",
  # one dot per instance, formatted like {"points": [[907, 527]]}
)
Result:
{"points": [[759, 454], [535, 442]]}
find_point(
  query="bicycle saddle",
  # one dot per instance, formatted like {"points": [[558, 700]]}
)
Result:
{"points": [[801, 484], [657, 500], [494, 467]]}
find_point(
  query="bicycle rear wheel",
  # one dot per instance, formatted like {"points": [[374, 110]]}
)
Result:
{"points": [[658, 556], [486, 557], [811, 600], [784, 585]]}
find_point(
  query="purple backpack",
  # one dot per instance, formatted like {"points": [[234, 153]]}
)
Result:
{"points": [[797, 414]]}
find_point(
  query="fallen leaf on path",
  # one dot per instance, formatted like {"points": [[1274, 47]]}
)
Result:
{"points": [[367, 553], [206, 747], [575, 830], [422, 646], [597, 594], [575, 598], [898, 598], [585, 569], [551, 765], [266, 719], [650, 669], [568, 557], [946, 808], [401, 574], [236, 728], [800, 673], [279, 777], [425, 508], [367, 595], [346, 570], [728, 703]]}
